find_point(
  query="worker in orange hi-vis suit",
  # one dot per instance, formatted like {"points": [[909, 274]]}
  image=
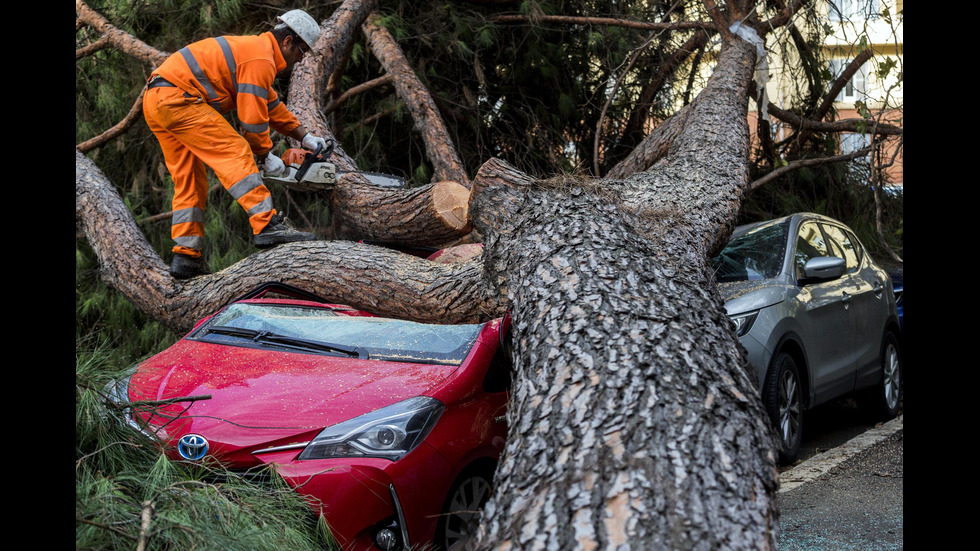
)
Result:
{"points": [[183, 106]]}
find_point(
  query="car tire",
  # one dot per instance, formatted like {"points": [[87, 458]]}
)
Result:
{"points": [[882, 400], [783, 398], [460, 515]]}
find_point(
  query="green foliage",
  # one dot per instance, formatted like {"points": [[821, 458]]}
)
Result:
{"points": [[529, 93], [104, 315], [885, 67], [127, 490]]}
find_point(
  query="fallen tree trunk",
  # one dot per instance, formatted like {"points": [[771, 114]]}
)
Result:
{"points": [[633, 421]]}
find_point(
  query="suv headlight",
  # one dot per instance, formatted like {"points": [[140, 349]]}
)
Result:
{"points": [[743, 322], [388, 433]]}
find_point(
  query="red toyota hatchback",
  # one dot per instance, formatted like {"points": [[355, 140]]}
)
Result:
{"points": [[391, 428]]}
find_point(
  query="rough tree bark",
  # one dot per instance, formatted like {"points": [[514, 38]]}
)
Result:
{"points": [[633, 423]]}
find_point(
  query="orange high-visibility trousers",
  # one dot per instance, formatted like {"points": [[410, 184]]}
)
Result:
{"points": [[192, 134]]}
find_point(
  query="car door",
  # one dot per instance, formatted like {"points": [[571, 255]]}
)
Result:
{"points": [[866, 289], [826, 320]]}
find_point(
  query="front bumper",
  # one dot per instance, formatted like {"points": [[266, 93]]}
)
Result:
{"points": [[355, 495], [757, 356]]}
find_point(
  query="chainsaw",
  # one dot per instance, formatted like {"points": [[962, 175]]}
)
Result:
{"points": [[306, 171]]}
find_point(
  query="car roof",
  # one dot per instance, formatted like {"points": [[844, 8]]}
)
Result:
{"points": [[795, 218]]}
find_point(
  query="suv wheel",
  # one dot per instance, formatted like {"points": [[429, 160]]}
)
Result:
{"points": [[881, 401], [783, 398]]}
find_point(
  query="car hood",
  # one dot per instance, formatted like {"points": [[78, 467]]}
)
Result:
{"points": [[745, 296], [250, 396]]}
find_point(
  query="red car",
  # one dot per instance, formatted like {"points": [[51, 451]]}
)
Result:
{"points": [[391, 428]]}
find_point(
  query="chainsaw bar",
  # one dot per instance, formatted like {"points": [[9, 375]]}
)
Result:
{"points": [[307, 171]]}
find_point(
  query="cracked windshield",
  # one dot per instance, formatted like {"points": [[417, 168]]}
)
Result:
{"points": [[376, 338]]}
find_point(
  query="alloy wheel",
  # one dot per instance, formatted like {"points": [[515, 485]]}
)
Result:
{"points": [[463, 514], [789, 408], [892, 376]]}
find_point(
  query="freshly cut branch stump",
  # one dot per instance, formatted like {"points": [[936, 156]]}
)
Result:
{"points": [[428, 215]]}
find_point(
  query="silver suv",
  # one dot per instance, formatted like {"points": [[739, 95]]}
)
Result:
{"points": [[817, 317]]}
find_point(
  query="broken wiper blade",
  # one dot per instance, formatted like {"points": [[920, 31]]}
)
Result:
{"points": [[285, 341]]}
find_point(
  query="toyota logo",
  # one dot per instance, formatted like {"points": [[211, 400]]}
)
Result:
{"points": [[192, 446]]}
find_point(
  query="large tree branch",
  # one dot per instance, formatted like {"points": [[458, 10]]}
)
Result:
{"points": [[841, 81], [428, 122], [703, 146], [134, 113], [800, 163], [860, 125], [370, 278], [118, 38], [427, 215]]}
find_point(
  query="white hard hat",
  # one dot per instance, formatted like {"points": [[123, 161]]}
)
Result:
{"points": [[302, 24]]}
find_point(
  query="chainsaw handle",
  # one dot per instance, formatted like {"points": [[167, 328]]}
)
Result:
{"points": [[307, 163], [310, 159]]}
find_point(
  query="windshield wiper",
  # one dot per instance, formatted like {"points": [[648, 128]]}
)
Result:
{"points": [[286, 342]]}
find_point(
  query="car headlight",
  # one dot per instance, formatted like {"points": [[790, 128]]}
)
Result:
{"points": [[743, 322], [117, 392], [388, 433]]}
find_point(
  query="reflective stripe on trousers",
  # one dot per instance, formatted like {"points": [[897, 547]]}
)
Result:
{"points": [[192, 135]]}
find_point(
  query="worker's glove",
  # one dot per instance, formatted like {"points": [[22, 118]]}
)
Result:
{"points": [[272, 166], [310, 142]]}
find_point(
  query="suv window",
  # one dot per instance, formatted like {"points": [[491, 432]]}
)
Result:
{"points": [[847, 249], [809, 244], [755, 254]]}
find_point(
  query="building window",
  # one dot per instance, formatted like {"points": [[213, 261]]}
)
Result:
{"points": [[856, 87], [851, 10]]}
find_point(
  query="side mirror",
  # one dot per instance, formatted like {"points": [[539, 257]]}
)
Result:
{"points": [[824, 268]]}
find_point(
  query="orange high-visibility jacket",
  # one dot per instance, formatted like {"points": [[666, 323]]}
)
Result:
{"points": [[235, 72]]}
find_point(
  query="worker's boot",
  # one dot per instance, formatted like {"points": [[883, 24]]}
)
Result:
{"points": [[184, 266], [279, 231]]}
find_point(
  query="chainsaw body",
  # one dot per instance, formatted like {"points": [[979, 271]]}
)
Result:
{"points": [[306, 171]]}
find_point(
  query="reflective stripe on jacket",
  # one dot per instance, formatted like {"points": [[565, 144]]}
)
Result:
{"points": [[235, 72]]}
